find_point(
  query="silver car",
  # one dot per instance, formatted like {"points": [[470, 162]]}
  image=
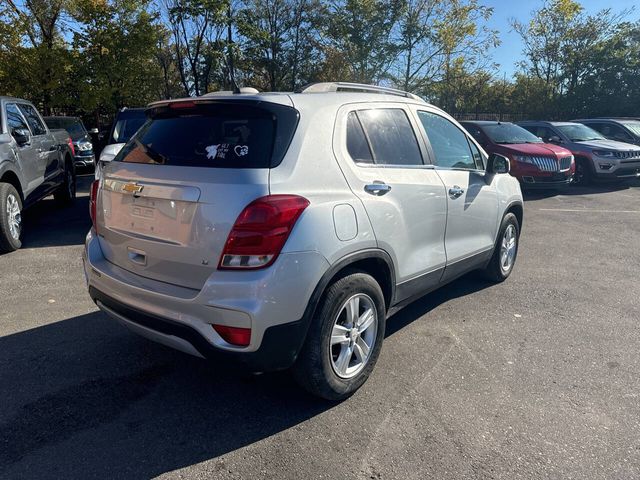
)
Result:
{"points": [[282, 229], [597, 158]]}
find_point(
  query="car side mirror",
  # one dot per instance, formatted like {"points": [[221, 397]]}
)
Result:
{"points": [[94, 131], [498, 164], [21, 136], [554, 139]]}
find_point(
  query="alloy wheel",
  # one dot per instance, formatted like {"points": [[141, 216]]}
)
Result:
{"points": [[14, 216], [508, 248], [353, 336]]}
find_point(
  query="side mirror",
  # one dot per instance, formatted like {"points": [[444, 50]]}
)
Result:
{"points": [[554, 139], [94, 131], [21, 136], [498, 164]]}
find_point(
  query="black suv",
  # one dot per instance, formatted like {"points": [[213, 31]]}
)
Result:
{"points": [[84, 156]]}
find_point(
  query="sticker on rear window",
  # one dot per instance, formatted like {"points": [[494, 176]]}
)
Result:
{"points": [[220, 151], [212, 151]]}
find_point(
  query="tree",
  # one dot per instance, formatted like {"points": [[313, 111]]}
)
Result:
{"points": [[361, 30], [433, 35], [40, 67], [198, 27], [116, 54], [279, 45]]}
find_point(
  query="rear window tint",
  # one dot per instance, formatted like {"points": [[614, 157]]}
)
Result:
{"points": [[357, 144], [391, 136], [212, 136]]}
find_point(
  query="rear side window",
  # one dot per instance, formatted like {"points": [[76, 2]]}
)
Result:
{"points": [[357, 144], [14, 119], [215, 136], [391, 136], [37, 127], [127, 125]]}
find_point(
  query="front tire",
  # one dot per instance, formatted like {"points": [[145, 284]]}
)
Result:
{"points": [[506, 250], [583, 176], [344, 339], [66, 193], [10, 218]]}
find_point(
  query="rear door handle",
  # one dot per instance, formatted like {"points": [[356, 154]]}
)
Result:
{"points": [[377, 188], [455, 191]]}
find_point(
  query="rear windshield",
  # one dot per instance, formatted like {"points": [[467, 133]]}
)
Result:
{"points": [[72, 126], [216, 136]]}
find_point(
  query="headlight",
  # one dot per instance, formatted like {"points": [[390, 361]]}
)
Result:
{"points": [[85, 146], [604, 153], [523, 159]]}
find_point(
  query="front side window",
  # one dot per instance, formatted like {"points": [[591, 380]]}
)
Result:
{"points": [[449, 143], [14, 118], [37, 127], [390, 135]]}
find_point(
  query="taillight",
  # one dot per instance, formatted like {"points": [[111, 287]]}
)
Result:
{"points": [[234, 335], [73, 150], [93, 198], [261, 231]]}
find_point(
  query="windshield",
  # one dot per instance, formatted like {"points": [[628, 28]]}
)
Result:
{"points": [[633, 126], [127, 125], [73, 127], [579, 133], [509, 133]]}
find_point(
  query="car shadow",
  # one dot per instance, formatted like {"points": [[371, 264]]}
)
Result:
{"points": [[594, 189], [83, 397], [48, 224], [465, 285]]}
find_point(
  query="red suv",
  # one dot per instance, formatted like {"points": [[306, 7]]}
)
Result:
{"points": [[533, 162]]}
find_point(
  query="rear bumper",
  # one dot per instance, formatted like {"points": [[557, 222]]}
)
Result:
{"points": [[278, 350], [272, 302]]}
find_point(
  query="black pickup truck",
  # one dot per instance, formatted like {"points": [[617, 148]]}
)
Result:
{"points": [[34, 162]]}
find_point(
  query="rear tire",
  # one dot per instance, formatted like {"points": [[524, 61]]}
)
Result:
{"points": [[506, 250], [344, 339], [66, 193], [10, 218]]}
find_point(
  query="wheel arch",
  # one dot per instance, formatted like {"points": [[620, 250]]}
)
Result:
{"points": [[518, 210], [9, 176], [375, 262]]}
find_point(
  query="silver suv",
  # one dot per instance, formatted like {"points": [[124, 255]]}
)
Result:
{"points": [[283, 229]]}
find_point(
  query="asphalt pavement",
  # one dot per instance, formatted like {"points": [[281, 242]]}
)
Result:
{"points": [[538, 377]]}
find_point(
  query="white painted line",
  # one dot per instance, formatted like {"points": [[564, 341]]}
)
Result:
{"points": [[587, 210]]}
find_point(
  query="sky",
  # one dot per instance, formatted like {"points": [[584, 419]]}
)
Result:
{"points": [[510, 50]]}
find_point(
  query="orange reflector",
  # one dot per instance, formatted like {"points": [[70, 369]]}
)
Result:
{"points": [[234, 335]]}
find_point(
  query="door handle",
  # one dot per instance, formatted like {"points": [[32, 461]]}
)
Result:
{"points": [[377, 188], [455, 191]]}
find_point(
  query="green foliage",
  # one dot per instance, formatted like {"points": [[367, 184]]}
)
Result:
{"points": [[91, 57]]}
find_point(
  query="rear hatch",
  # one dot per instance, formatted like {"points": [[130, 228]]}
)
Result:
{"points": [[171, 196]]}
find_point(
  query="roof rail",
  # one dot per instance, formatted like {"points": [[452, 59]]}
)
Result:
{"points": [[324, 87]]}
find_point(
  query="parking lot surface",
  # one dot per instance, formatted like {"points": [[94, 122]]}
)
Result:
{"points": [[538, 377]]}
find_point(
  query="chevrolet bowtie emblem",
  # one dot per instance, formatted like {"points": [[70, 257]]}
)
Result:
{"points": [[132, 188]]}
